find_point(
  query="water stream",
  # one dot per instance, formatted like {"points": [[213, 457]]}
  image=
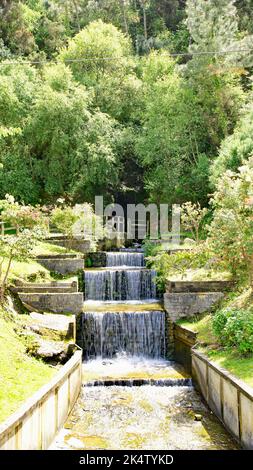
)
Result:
{"points": [[119, 284], [135, 333], [124, 259], [132, 397]]}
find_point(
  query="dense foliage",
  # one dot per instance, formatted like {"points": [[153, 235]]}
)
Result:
{"points": [[234, 328], [112, 98], [232, 225]]}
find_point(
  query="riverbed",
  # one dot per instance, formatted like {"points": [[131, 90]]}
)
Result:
{"points": [[146, 418]]}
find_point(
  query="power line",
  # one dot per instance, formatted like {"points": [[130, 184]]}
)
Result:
{"points": [[101, 58]]}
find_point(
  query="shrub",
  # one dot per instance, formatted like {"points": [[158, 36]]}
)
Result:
{"points": [[15, 247], [79, 220], [150, 248], [230, 233], [192, 218], [234, 328], [21, 216], [178, 263]]}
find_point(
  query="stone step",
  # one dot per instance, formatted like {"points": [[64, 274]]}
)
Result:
{"points": [[44, 290], [77, 244], [73, 284], [198, 286], [59, 256], [53, 302], [64, 324], [62, 265], [187, 304]]}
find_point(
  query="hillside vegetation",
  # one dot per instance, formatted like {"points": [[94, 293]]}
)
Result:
{"points": [[20, 374]]}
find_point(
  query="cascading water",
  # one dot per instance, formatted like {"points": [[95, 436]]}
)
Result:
{"points": [[127, 284], [136, 334], [132, 395], [124, 259]]}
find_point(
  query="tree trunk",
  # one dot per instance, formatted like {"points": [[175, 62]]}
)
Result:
{"points": [[123, 7], [144, 19], [251, 272]]}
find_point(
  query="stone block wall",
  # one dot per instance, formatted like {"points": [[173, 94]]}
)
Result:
{"points": [[184, 340], [198, 286], [63, 266], [56, 303], [182, 305], [81, 245], [40, 418]]}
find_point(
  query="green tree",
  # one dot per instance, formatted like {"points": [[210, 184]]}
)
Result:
{"points": [[101, 48], [236, 148], [214, 27], [172, 143], [63, 147], [192, 216], [17, 23], [232, 225]]}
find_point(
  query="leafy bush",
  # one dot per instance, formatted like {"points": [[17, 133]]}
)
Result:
{"points": [[64, 219], [234, 328], [150, 248], [21, 216], [230, 233], [77, 221], [178, 263], [192, 216]]}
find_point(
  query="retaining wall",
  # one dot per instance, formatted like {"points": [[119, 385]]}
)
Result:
{"points": [[35, 424], [62, 266], [181, 305], [83, 246], [184, 340], [198, 286], [53, 302], [228, 397]]}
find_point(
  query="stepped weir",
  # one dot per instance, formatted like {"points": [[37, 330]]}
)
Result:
{"points": [[132, 397], [135, 333]]}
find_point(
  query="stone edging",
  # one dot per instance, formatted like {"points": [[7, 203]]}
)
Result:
{"points": [[35, 424], [228, 397]]}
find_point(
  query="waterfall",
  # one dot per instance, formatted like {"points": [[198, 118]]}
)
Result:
{"points": [[124, 259], [134, 333], [111, 284], [140, 382]]}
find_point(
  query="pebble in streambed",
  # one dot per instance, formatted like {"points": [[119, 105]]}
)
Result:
{"points": [[145, 418]]}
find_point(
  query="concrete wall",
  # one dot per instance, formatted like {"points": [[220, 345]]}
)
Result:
{"points": [[198, 286], [184, 340], [65, 288], [56, 303], [84, 246], [181, 305], [229, 398], [35, 424], [62, 266]]}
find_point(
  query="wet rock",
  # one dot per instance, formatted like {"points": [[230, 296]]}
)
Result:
{"points": [[198, 417], [52, 351]]}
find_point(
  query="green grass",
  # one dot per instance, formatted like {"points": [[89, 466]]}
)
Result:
{"points": [[20, 374], [200, 274], [241, 367], [24, 269], [201, 324], [30, 267], [44, 248]]}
